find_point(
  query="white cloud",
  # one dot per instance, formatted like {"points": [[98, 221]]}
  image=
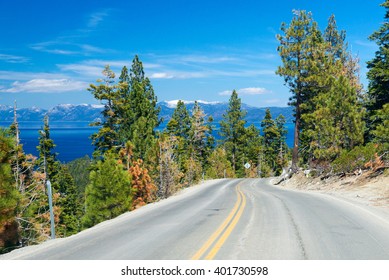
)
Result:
{"points": [[197, 65], [93, 68], [13, 75], [13, 58], [59, 51], [83, 69], [65, 46], [46, 85], [161, 76], [180, 74], [70, 44], [247, 91], [252, 91], [190, 74], [226, 92], [55, 47], [102, 63], [96, 18], [91, 49]]}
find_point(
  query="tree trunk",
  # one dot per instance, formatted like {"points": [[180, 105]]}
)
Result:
{"points": [[295, 155]]}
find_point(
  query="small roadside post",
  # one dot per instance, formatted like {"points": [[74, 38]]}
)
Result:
{"points": [[51, 209]]}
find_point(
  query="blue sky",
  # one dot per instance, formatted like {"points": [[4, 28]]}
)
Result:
{"points": [[50, 51]]}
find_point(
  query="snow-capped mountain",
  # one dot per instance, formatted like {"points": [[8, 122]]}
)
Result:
{"points": [[69, 112], [90, 113], [173, 103], [217, 109], [63, 112]]}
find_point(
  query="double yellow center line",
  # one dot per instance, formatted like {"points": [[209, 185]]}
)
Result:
{"points": [[217, 239]]}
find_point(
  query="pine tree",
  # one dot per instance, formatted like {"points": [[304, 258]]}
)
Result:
{"points": [[144, 110], [47, 161], [334, 122], [253, 150], [297, 51], [130, 112], [270, 140], [198, 133], [108, 193], [195, 164], [232, 132], [378, 75], [123, 108], [282, 147], [335, 40], [381, 131], [106, 92], [209, 141], [9, 196], [330, 113], [79, 170], [32, 217], [68, 202], [179, 126], [180, 123]]}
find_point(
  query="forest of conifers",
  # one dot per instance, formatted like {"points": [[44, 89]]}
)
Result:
{"points": [[339, 128]]}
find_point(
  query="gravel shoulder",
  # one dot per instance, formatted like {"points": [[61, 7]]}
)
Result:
{"points": [[367, 190]]}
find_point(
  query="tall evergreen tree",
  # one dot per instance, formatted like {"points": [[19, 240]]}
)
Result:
{"points": [[144, 110], [47, 157], [232, 131], [210, 141], [297, 54], [282, 147], [108, 193], [106, 92], [378, 75], [253, 150], [335, 39], [328, 106], [198, 134], [381, 131], [67, 201], [9, 196], [179, 126], [79, 170], [180, 123], [335, 121], [271, 138]]}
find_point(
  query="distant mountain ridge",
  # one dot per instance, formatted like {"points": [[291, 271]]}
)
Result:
{"points": [[90, 113]]}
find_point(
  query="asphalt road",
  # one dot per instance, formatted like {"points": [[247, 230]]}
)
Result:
{"points": [[231, 219]]}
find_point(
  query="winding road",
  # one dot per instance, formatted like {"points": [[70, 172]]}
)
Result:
{"points": [[231, 219]]}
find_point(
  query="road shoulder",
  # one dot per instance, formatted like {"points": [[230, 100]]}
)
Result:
{"points": [[364, 191]]}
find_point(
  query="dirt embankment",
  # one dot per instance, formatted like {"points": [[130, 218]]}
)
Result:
{"points": [[367, 188]]}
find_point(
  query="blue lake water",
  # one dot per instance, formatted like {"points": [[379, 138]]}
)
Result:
{"points": [[73, 141]]}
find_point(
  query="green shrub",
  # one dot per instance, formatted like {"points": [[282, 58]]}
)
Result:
{"points": [[349, 161]]}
